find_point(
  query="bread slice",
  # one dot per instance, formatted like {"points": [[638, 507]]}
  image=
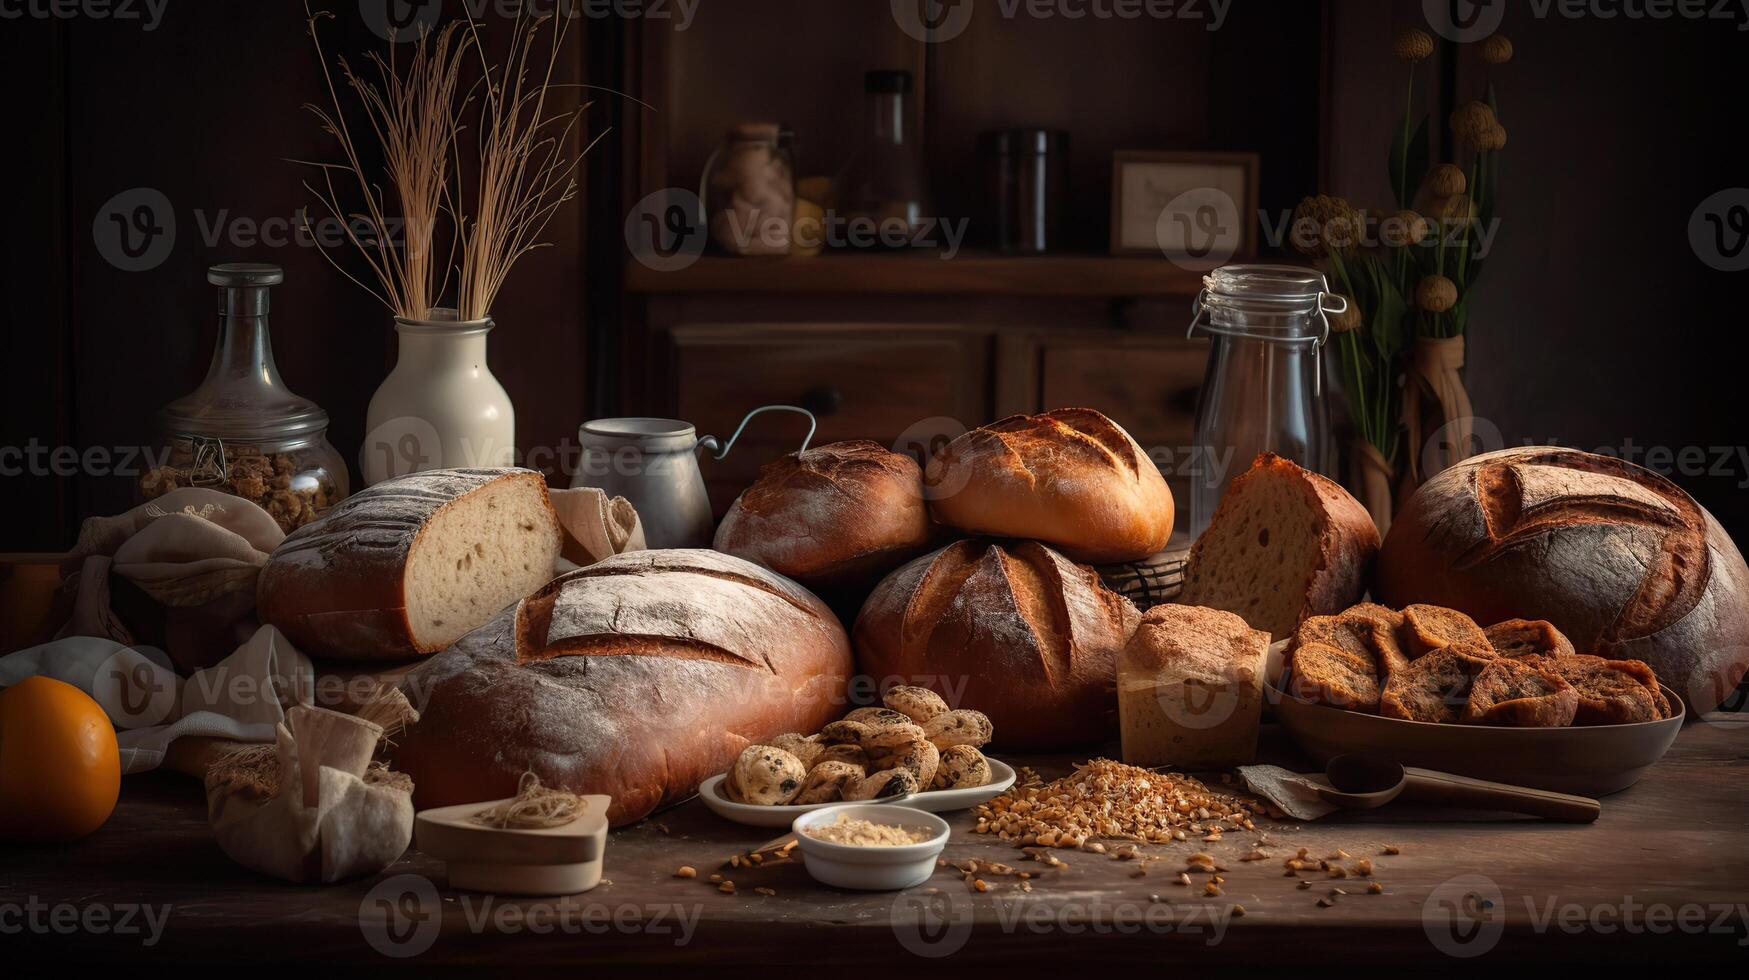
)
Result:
{"points": [[1610, 692], [1517, 693], [1528, 638], [1434, 687], [1284, 544], [1360, 635], [1190, 689], [1323, 674], [1428, 628], [408, 566]]}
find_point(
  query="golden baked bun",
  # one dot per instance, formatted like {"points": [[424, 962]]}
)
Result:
{"points": [[1069, 477]]}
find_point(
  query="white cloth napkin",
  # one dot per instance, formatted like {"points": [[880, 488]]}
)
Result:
{"points": [[244, 697], [596, 527]]}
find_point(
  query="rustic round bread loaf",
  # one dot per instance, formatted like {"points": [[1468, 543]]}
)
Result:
{"points": [[1017, 632], [835, 516], [1070, 477], [1618, 558], [637, 677]]}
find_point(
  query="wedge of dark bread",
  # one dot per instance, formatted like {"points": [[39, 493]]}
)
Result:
{"points": [[1528, 638], [1428, 628], [1610, 692], [1519, 694], [1329, 675], [1436, 686]]}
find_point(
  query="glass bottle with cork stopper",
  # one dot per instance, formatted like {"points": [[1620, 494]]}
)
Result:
{"points": [[242, 431]]}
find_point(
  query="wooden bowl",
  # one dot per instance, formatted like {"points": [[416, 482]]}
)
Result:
{"points": [[1590, 760]]}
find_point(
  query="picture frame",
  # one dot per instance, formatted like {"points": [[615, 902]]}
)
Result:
{"points": [[1198, 209]]}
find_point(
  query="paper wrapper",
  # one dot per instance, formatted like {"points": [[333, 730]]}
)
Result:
{"points": [[596, 526], [1295, 793]]}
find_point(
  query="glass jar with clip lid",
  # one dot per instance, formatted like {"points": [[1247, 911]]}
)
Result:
{"points": [[1264, 388]]}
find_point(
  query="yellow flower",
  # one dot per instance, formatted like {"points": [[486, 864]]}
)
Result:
{"points": [[1325, 224], [1446, 180], [1436, 294], [1412, 45], [1405, 228], [1497, 49], [1472, 119]]}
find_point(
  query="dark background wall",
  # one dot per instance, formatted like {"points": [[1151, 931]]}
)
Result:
{"points": [[1598, 326]]}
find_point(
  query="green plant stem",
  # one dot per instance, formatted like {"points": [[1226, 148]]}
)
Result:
{"points": [[1408, 116]]}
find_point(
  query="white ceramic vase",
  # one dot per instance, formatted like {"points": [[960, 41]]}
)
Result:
{"points": [[440, 407]]}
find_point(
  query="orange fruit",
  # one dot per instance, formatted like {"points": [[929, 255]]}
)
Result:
{"points": [[60, 770]]}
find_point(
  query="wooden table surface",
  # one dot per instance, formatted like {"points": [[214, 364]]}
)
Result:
{"points": [[1662, 877]]}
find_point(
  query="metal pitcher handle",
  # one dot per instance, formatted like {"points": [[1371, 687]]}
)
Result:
{"points": [[720, 449]]}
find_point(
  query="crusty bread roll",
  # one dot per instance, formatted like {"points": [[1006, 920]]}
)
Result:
{"points": [[1017, 632], [1618, 558], [407, 566], [835, 516], [1190, 689], [637, 677], [1071, 478], [1284, 544]]}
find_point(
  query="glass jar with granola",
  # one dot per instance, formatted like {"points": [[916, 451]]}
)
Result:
{"points": [[242, 431]]}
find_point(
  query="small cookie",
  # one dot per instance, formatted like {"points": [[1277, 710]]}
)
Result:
{"points": [[921, 757], [887, 743], [768, 776], [883, 785], [877, 717], [916, 703], [827, 782], [852, 754], [845, 732], [961, 767], [962, 726], [800, 746]]}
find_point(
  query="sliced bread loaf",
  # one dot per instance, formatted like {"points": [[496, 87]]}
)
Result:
{"points": [[1284, 544], [408, 566]]}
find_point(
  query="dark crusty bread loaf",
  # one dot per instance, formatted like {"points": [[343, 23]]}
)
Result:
{"points": [[1284, 544], [1016, 631], [407, 566], [1617, 557], [1071, 478], [835, 516], [637, 677]]}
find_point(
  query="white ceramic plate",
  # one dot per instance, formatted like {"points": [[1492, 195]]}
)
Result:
{"points": [[935, 801]]}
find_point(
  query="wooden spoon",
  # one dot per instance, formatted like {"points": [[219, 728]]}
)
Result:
{"points": [[1365, 782]]}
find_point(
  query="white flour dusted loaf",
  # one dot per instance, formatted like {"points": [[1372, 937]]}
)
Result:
{"points": [[1284, 544], [406, 567], [1190, 689]]}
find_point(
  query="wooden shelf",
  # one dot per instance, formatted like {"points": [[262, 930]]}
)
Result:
{"points": [[971, 273]]}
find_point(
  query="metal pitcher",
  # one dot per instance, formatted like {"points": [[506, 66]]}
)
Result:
{"points": [[654, 464]]}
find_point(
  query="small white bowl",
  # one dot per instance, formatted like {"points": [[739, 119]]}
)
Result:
{"points": [[871, 868]]}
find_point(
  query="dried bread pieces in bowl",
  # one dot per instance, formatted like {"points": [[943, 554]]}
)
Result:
{"points": [[636, 677]]}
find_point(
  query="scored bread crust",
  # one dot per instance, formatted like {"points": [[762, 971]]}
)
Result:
{"points": [[337, 587], [637, 677], [1348, 542], [835, 516], [1015, 631], [1071, 478], [1617, 557]]}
